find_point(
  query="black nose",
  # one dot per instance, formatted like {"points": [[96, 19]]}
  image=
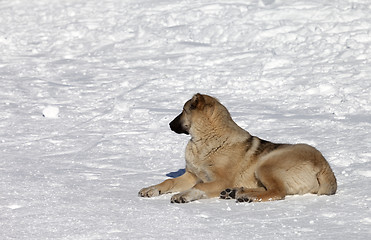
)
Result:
{"points": [[176, 125]]}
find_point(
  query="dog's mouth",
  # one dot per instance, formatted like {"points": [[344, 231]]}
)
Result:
{"points": [[177, 126], [179, 131]]}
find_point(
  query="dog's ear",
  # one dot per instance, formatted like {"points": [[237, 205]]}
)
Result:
{"points": [[198, 102]]}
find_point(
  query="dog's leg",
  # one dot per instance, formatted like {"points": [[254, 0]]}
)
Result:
{"points": [[274, 188], [230, 193], [179, 184], [258, 195], [188, 196], [199, 191]]}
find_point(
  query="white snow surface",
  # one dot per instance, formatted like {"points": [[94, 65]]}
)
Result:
{"points": [[119, 71]]}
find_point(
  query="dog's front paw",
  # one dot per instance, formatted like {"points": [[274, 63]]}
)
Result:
{"points": [[188, 196], [237, 193], [149, 192], [179, 198]]}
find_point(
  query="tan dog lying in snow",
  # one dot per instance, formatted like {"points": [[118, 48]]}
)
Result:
{"points": [[224, 160]]}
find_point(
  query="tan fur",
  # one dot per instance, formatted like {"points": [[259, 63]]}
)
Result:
{"points": [[224, 160]]}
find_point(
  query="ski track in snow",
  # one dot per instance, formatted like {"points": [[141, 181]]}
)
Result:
{"points": [[116, 72]]}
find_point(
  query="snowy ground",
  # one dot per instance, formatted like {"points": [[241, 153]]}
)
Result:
{"points": [[118, 71]]}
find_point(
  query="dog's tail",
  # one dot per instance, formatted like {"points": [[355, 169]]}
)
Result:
{"points": [[326, 179]]}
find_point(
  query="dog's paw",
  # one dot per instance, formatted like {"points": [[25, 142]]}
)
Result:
{"points": [[228, 193], [237, 193], [188, 196], [246, 196], [149, 192], [244, 199], [179, 198]]}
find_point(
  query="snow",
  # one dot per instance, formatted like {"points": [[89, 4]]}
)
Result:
{"points": [[51, 112], [117, 72]]}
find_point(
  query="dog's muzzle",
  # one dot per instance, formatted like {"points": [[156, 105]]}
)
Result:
{"points": [[177, 126]]}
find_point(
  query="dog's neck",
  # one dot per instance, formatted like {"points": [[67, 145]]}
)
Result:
{"points": [[214, 136]]}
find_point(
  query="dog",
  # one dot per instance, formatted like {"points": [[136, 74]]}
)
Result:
{"points": [[224, 160]]}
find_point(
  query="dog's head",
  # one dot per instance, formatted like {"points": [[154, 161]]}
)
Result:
{"points": [[197, 114]]}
